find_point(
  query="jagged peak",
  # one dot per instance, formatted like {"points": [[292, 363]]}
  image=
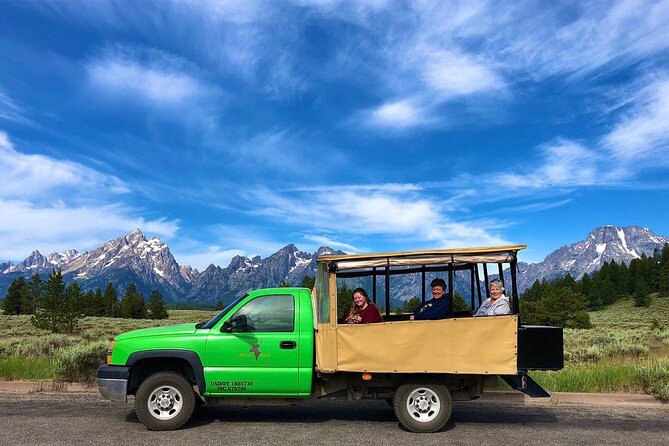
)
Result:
{"points": [[136, 236]]}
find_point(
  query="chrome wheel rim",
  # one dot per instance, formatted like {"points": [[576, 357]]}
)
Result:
{"points": [[165, 403], [423, 405]]}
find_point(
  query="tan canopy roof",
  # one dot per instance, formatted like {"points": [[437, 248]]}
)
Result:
{"points": [[493, 254]]}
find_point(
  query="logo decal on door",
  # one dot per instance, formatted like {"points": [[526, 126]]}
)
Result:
{"points": [[255, 347]]}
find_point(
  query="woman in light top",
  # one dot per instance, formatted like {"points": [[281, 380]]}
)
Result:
{"points": [[497, 303]]}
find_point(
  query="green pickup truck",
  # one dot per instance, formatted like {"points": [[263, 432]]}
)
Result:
{"points": [[284, 345]]}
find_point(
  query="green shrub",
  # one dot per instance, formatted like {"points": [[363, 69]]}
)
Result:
{"points": [[80, 363], [654, 379], [656, 325]]}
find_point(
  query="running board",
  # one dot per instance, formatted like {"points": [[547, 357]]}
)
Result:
{"points": [[524, 383]]}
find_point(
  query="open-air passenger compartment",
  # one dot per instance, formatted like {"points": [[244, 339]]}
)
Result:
{"points": [[455, 347]]}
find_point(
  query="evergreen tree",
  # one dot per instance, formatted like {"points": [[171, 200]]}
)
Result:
{"points": [[156, 308], [459, 303], [533, 293], [284, 284], [16, 293], [33, 295], [344, 300], [71, 311], [52, 313], [561, 307], [86, 303], [219, 305], [594, 297], [98, 307], [110, 301], [607, 291], [411, 305], [308, 282], [132, 305], [641, 297], [586, 288]]}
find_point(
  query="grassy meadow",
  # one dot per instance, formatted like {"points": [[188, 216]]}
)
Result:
{"points": [[627, 350], [33, 354]]}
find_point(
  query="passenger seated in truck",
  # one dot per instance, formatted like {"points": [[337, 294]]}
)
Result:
{"points": [[362, 311], [497, 303], [438, 307]]}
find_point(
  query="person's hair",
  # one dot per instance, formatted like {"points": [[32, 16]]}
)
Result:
{"points": [[353, 308], [438, 282], [363, 292], [496, 282]]}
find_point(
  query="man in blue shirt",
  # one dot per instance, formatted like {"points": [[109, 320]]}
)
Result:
{"points": [[438, 307]]}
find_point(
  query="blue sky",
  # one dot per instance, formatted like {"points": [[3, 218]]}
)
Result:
{"points": [[231, 128]]}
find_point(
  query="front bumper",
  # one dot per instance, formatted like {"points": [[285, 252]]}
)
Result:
{"points": [[113, 382]]}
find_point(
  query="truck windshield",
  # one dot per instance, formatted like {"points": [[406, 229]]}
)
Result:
{"points": [[223, 312]]}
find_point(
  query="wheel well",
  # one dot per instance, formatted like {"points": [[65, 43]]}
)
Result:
{"points": [[144, 368]]}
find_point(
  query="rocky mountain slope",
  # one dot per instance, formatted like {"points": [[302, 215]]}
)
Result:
{"points": [[603, 244], [149, 264]]}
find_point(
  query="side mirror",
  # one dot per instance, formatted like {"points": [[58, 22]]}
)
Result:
{"points": [[237, 323]]}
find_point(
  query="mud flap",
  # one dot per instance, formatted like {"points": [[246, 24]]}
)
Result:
{"points": [[524, 383]]}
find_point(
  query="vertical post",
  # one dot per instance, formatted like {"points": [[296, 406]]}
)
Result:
{"points": [[478, 282], [422, 275], [514, 289], [485, 277], [374, 285], [387, 287], [471, 279], [450, 282], [501, 273]]}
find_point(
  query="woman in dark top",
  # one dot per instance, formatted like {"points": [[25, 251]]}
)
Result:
{"points": [[362, 311]]}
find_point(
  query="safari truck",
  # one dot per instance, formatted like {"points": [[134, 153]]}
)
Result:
{"points": [[284, 345]]}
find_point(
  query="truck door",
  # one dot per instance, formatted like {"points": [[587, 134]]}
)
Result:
{"points": [[259, 354]]}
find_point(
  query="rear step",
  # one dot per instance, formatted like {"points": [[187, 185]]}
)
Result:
{"points": [[524, 383]]}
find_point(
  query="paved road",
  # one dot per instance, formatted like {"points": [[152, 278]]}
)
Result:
{"points": [[67, 419]]}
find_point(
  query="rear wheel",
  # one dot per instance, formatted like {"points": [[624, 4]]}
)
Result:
{"points": [[165, 401], [422, 406]]}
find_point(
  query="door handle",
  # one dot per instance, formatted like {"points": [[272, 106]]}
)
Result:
{"points": [[288, 345]]}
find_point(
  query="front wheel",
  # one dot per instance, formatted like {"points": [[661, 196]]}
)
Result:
{"points": [[422, 406], [164, 401]]}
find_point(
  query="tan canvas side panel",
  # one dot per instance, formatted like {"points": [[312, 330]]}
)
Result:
{"points": [[463, 345], [326, 349]]}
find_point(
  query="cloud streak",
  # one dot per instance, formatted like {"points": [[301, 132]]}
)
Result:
{"points": [[148, 75], [35, 175], [51, 205]]}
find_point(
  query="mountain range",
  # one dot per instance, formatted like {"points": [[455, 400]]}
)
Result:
{"points": [[150, 265]]}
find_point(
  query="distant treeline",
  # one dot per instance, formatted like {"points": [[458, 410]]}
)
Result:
{"points": [[57, 306], [564, 301]]}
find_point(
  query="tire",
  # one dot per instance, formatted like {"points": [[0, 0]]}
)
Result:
{"points": [[164, 401], [422, 406]]}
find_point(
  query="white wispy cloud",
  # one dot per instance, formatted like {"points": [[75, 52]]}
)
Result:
{"points": [[398, 216], [146, 74], [563, 163], [25, 226], [322, 240], [382, 187], [642, 133], [400, 114], [11, 111], [34, 175], [53, 204]]}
